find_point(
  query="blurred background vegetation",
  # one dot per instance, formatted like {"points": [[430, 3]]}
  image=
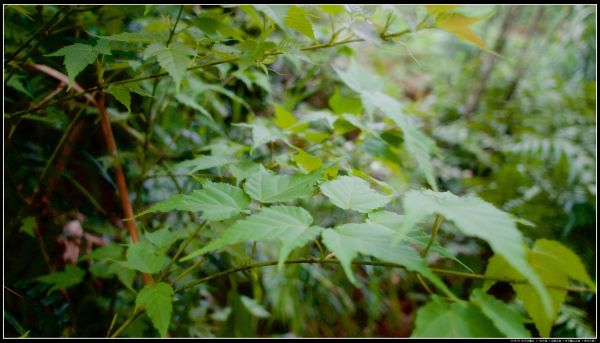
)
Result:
{"points": [[517, 128]]}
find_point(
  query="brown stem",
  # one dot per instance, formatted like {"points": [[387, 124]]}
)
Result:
{"points": [[121, 183]]}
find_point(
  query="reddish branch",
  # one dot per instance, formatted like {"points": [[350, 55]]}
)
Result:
{"points": [[112, 150]]}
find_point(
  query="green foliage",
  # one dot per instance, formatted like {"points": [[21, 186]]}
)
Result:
{"points": [[268, 187], [555, 264], [288, 136], [348, 240], [157, 303], [173, 58], [350, 192], [288, 224], [71, 276], [216, 201], [477, 218], [78, 56], [440, 319]]}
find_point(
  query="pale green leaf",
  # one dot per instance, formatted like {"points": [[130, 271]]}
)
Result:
{"points": [[254, 307], [174, 58], [297, 19], [507, 320], [156, 301], [243, 169], [288, 224], [267, 187], [28, 226], [460, 320], [71, 276], [201, 163], [346, 104], [333, 9], [477, 218], [262, 134], [353, 193], [144, 257], [348, 240], [121, 93], [359, 79], [216, 201], [415, 236]]}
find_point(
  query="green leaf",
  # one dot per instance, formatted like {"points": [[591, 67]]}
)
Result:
{"points": [[554, 263], [78, 56], [121, 93], [71, 276], [285, 120], [111, 251], [156, 301], [507, 320], [418, 145], [348, 240], [350, 192], [333, 9], [243, 169], [297, 19], [306, 161], [477, 218], [201, 163], [341, 105], [174, 58], [458, 24], [216, 201], [16, 84], [137, 37], [28, 226], [163, 238], [416, 236], [288, 224], [254, 307], [144, 257], [190, 102], [267, 187], [359, 79], [440, 319], [262, 134]]}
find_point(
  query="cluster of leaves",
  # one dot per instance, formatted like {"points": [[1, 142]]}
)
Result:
{"points": [[267, 152]]}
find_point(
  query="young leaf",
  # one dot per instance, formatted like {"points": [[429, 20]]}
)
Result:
{"points": [[359, 79], [267, 187], [28, 226], [348, 240], [507, 320], [297, 19], [163, 238], [440, 319], [477, 218], [78, 56], [288, 224], [350, 192], [262, 134], [71, 276], [458, 24], [156, 301], [174, 58], [216, 201], [121, 93], [554, 263], [137, 37], [306, 161], [144, 257]]}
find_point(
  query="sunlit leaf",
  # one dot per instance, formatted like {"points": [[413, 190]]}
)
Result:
{"points": [[267, 187], [353, 193]]}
